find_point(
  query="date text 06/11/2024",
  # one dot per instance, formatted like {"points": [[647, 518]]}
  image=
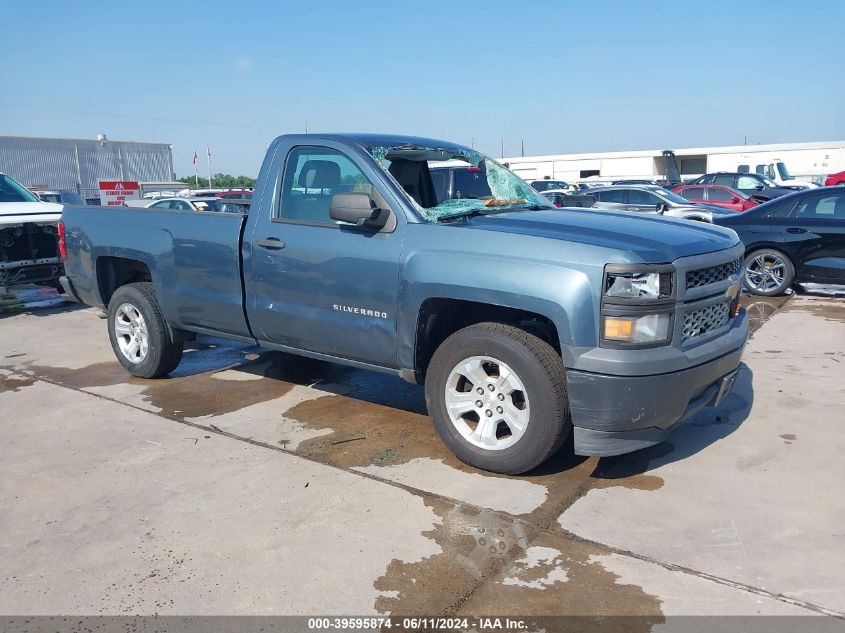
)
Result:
{"points": [[415, 623]]}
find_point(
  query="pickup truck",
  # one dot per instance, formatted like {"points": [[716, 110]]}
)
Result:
{"points": [[29, 251], [526, 323]]}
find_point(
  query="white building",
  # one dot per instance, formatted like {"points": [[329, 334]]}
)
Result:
{"points": [[805, 161]]}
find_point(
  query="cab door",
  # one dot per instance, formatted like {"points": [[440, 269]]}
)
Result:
{"points": [[816, 232], [317, 284], [724, 198]]}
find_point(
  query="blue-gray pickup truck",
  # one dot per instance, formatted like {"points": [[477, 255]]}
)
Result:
{"points": [[526, 323]]}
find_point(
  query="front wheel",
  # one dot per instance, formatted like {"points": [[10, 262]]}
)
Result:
{"points": [[497, 395], [138, 332], [768, 272]]}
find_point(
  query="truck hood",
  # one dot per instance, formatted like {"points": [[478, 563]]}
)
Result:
{"points": [[799, 185], [40, 212], [773, 192], [654, 239]]}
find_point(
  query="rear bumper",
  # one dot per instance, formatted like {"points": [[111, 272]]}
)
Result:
{"points": [[612, 415], [69, 290]]}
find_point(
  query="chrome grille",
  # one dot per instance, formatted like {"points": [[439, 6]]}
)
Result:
{"points": [[707, 319], [714, 274]]}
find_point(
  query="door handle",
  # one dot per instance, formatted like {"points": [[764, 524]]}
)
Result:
{"points": [[272, 243], [796, 229]]}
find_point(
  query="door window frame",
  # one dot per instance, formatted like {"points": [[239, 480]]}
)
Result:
{"points": [[366, 170], [815, 199], [720, 190], [701, 188], [628, 193]]}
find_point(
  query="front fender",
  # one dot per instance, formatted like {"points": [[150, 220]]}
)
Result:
{"points": [[564, 296]]}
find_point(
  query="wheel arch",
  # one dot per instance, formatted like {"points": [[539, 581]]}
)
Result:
{"points": [[759, 246], [440, 317], [114, 272]]}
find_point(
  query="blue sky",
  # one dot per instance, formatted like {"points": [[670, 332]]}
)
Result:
{"points": [[562, 76]]}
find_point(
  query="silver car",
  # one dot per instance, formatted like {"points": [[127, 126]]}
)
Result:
{"points": [[61, 197], [653, 199]]}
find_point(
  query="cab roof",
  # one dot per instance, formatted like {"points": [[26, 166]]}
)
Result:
{"points": [[370, 140]]}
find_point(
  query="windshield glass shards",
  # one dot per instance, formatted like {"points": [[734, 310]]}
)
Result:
{"points": [[450, 183]]}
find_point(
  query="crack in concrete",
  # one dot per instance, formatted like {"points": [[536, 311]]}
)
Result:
{"points": [[716, 579]]}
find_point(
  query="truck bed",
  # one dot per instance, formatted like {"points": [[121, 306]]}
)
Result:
{"points": [[194, 260]]}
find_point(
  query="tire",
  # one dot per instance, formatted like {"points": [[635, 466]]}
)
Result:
{"points": [[768, 272], [134, 316], [535, 381]]}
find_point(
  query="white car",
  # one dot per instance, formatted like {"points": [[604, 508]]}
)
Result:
{"points": [[197, 203], [157, 195]]}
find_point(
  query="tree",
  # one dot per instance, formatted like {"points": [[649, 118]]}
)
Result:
{"points": [[220, 181]]}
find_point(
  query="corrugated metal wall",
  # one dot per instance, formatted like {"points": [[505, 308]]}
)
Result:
{"points": [[79, 164]]}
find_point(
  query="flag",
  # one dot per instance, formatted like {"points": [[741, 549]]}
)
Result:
{"points": [[194, 161], [208, 151]]}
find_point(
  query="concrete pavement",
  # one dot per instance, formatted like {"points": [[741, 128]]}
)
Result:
{"points": [[255, 483]]}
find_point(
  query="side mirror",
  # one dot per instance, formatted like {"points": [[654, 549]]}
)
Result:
{"points": [[357, 208], [760, 187], [661, 207], [735, 200]]}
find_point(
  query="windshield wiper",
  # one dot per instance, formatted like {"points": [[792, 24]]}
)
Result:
{"points": [[460, 214], [492, 211], [535, 207]]}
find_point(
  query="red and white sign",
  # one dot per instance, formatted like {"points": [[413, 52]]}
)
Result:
{"points": [[113, 193]]}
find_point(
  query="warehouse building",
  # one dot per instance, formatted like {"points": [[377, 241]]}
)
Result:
{"points": [[806, 161], [67, 164]]}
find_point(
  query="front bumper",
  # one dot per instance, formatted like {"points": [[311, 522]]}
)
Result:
{"points": [[30, 271], [612, 414]]}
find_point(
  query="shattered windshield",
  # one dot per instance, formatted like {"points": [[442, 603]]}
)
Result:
{"points": [[413, 167]]}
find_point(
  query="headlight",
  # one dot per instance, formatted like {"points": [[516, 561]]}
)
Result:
{"points": [[646, 286], [648, 328]]}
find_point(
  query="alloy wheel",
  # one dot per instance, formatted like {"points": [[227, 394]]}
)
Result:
{"points": [[130, 330], [765, 272], [487, 403]]}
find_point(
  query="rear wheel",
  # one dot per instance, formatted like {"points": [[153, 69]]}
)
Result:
{"points": [[138, 332], [768, 272], [497, 395]]}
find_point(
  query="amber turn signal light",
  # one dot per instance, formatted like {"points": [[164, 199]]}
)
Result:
{"points": [[620, 329]]}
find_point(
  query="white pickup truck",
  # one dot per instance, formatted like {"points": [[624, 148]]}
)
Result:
{"points": [[29, 249], [776, 170]]}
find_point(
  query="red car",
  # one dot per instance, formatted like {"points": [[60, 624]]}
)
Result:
{"points": [[835, 179], [241, 194], [718, 195]]}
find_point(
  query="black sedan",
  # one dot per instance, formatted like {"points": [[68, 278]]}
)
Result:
{"points": [[799, 238]]}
